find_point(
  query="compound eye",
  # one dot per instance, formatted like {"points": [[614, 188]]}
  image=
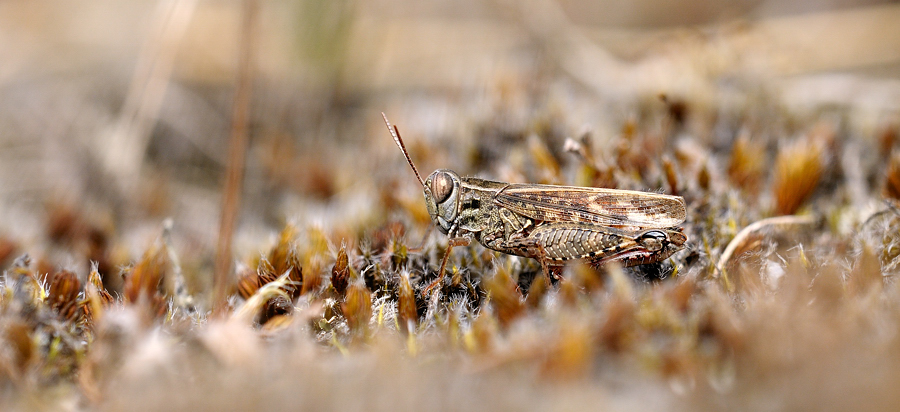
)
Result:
{"points": [[441, 186], [653, 240]]}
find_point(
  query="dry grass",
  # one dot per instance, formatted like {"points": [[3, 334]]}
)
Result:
{"points": [[105, 304]]}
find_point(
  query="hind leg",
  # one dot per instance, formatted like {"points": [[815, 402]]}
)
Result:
{"points": [[549, 267], [457, 241]]}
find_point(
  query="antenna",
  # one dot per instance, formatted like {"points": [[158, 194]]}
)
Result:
{"points": [[396, 134]]}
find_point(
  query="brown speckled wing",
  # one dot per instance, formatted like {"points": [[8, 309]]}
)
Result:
{"points": [[608, 207]]}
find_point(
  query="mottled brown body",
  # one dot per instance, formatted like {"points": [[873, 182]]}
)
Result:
{"points": [[560, 223], [553, 224]]}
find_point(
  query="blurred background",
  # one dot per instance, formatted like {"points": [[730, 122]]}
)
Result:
{"points": [[115, 115]]}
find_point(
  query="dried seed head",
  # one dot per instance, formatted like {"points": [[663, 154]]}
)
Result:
{"points": [[275, 307], [145, 278], [613, 333], [26, 283], [277, 324], [357, 307], [596, 177], [621, 284], [44, 266], [251, 308], [676, 107], [747, 164], [63, 296], [295, 277], [318, 241], [543, 157], [536, 292], [406, 311], [570, 353], [284, 257], [7, 248], [18, 338], [680, 294], [721, 322], [798, 169], [703, 177], [381, 238], [248, 283], [483, 333], [505, 296], [312, 277], [629, 129], [892, 183], [399, 254], [266, 272], [96, 298], [887, 138], [64, 224], [340, 272], [278, 255], [671, 177], [95, 281], [587, 277], [98, 245], [569, 292], [890, 246], [453, 326]]}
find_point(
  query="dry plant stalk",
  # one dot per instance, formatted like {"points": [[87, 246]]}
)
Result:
{"points": [[746, 234], [237, 149]]}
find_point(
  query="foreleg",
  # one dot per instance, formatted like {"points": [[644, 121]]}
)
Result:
{"points": [[456, 241]]}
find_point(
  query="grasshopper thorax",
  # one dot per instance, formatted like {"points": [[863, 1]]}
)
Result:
{"points": [[442, 198]]}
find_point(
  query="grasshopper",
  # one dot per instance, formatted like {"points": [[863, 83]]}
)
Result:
{"points": [[550, 223]]}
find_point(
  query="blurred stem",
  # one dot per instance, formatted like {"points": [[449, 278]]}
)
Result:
{"points": [[125, 149], [237, 149]]}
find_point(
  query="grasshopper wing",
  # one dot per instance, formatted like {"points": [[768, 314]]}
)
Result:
{"points": [[608, 207]]}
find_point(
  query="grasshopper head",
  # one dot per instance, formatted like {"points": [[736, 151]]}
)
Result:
{"points": [[656, 240], [442, 198]]}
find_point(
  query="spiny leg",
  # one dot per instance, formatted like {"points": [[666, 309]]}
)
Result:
{"points": [[457, 241], [550, 274]]}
